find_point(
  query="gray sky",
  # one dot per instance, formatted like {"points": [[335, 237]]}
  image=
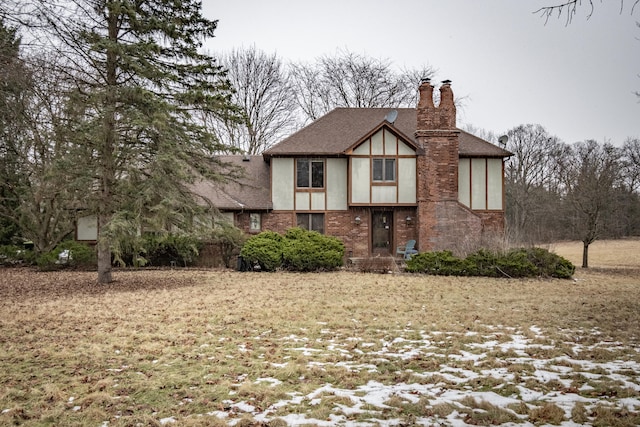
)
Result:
{"points": [[577, 80]]}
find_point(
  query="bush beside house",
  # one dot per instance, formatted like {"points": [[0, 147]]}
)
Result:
{"points": [[297, 250], [523, 262]]}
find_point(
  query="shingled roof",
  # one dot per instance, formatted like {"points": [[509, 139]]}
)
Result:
{"points": [[251, 191], [337, 131]]}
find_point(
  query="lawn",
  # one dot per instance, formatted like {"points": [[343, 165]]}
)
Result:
{"points": [[203, 347]]}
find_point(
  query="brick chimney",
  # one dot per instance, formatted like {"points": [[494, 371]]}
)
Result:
{"points": [[437, 190], [431, 117]]}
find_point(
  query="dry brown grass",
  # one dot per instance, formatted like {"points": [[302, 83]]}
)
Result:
{"points": [[183, 343], [608, 254]]}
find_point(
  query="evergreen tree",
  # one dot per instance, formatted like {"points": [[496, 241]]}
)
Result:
{"points": [[140, 78], [12, 87]]}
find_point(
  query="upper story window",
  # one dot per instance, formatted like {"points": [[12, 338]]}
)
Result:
{"points": [[384, 170], [309, 173]]}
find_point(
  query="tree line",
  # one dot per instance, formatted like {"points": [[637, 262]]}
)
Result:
{"points": [[584, 191]]}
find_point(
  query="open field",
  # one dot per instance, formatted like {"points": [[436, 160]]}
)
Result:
{"points": [[196, 348], [624, 253]]}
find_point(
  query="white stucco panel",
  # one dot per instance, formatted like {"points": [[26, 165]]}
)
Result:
{"points": [[390, 143], [377, 148], [405, 150], [360, 180], [384, 194], [337, 184], [303, 201], [318, 201], [494, 184], [464, 182], [282, 183], [363, 149], [406, 180], [479, 184]]}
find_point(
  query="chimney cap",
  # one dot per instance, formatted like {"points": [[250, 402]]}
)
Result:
{"points": [[425, 80], [446, 82]]}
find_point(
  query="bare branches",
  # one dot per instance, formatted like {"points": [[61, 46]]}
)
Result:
{"points": [[569, 9], [265, 98], [351, 80]]}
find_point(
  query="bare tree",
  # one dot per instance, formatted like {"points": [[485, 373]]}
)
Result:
{"points": [[351, 80], [631, 163], [531, 180], [487, 135], [265, 98], [591, 176], [39, 188]]}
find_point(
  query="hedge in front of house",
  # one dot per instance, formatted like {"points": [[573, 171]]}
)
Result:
{"points": [[264, 249], [311, 251], [522, 262], [297, 250]]}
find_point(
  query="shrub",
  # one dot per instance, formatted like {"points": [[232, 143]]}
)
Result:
{"points": [[156, 249], [441, 263], [15, 255], [264, 249], [529, 262], [311, 251], [165, 248], [550, 264], [298, 250], [79, 255]]}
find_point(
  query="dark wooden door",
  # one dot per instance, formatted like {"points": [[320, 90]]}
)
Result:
{"points": [[381, 232]]}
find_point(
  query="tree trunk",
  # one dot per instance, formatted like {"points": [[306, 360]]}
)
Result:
{"points": [[585, 255], [104, 253], [107, 161]]}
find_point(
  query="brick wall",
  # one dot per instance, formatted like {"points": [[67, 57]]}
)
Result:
{"points": [[342, 224]]}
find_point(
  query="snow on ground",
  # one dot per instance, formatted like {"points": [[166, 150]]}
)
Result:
{"points": [[561, 380]]}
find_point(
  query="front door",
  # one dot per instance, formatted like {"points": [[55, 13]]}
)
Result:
{"points": [[381, 232]]}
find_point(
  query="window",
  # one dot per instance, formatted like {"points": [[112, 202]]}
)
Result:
{"points": [[384, 169], [309, 173], [254, 222], [314, 222]]}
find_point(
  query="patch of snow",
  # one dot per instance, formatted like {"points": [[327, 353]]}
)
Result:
{"points": [[528, 395], [466, 356], [168, 420], [244, 406], [218, 414]]}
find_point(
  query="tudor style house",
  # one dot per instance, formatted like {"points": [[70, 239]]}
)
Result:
{"points": [[375, 178]]}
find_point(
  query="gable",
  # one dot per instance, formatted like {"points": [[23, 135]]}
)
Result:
{"points": [[383, 141]]}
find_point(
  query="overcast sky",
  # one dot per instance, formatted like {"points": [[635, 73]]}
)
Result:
{"points": [[577, 80]]}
